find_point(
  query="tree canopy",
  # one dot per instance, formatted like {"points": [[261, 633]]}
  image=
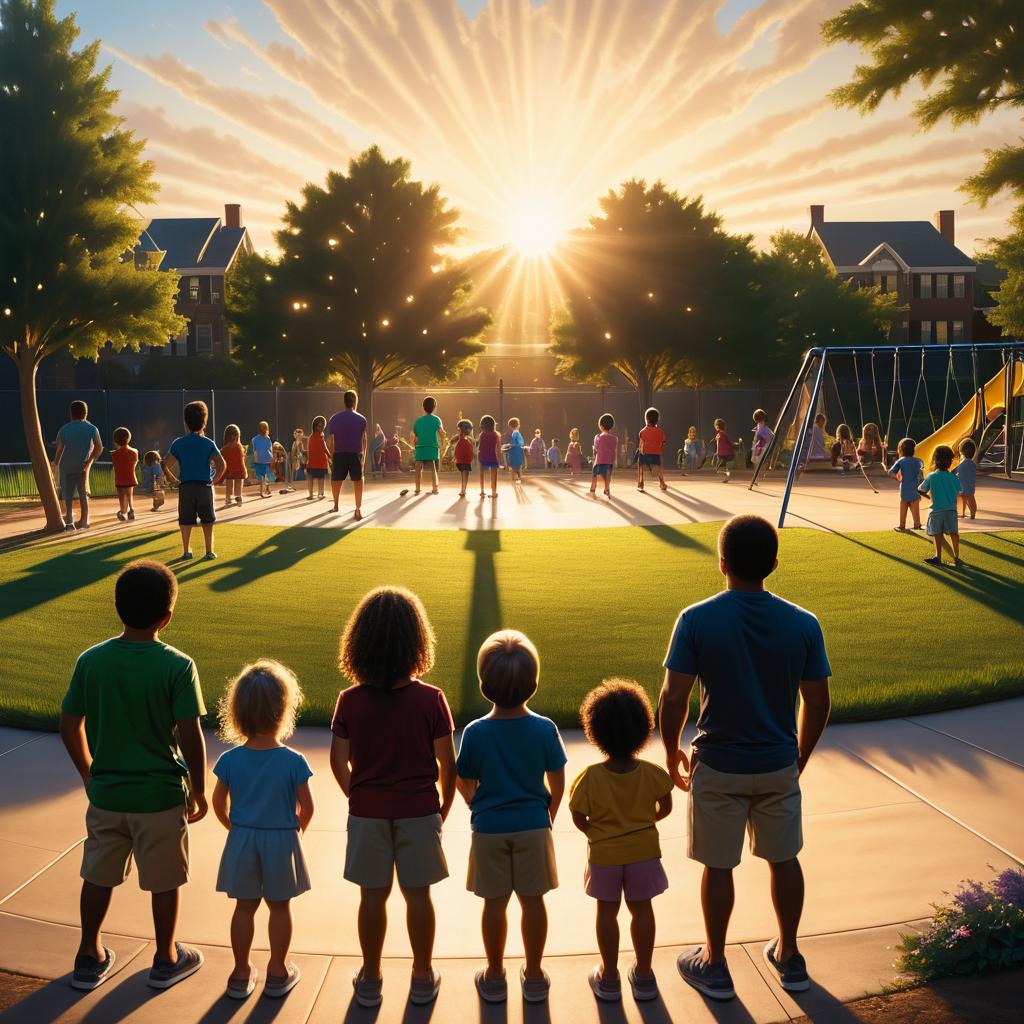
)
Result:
{"points": [[69, 177]]}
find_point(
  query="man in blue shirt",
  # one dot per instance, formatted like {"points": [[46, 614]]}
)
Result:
{"points": [[78, 447], [753, 653], [199, 462]]}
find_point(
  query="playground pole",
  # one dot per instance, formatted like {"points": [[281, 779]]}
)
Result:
{"points": [[1008, 415], [782, 417], [808, 420]]}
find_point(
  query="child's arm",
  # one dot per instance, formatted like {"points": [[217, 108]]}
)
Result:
{"points": [[444, 751], [193, 749], [168, 472], [556, 787], [72, 734], [664, 807], [467, 788], [339, 763], [581, 821], [304, 799], [220, 802]]}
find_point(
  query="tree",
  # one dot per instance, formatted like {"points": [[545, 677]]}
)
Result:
{"points": [[807, 304], [361, 292], [969, 57], [68, 173], [656, 291], [1008, 253]]}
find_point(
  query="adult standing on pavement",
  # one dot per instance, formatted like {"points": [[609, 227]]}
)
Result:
{"points": [[346, 442], [753, 653], [78, 447]]}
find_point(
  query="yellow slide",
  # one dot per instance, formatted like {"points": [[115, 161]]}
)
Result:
{"points": [[968, 420]]}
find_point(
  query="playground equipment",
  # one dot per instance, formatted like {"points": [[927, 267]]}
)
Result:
{"points": [[991, 415]]}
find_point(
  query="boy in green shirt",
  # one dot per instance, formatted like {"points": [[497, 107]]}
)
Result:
{"points": [[130, 723], [428, 449]]}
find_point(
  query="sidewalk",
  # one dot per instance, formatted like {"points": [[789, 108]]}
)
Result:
{"points": [[896, 813]]}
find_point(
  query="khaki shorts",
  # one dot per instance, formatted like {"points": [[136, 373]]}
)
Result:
{"points": [[379, 847], [723, 805], [506, 862], [158, 841]]}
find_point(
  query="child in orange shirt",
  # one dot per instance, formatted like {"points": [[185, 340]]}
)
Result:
{"points": [[652, 444], [234, 465], [125, 459], [316, 458], [464, 453]]}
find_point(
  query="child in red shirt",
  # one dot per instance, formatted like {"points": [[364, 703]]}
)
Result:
{"points": [[725, 450], [464, 453], [652, 444], [316, 458], [234, 465], [125, 459]]}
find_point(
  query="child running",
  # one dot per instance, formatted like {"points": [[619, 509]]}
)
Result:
{"points": [[725, 450], [909, 470], [125, 459], [967, 474], [262, 457], [391, 733], [464, 453], [574, 453], [516, 451], [511, 772], [153, 479], [616, 804], [652, 444], [262, 798], [763, 434], [317, 458], [606, 444], [943, 486], [234, 474], [487, 445], [427, 429]]}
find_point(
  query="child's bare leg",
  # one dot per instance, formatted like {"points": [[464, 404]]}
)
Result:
{"points": [[481, 481], [640, 475], [420, 921], [372, 924], [309, 485], [131, 500], [186, 533], [279, 931], [93, 906], [608, 938], [938, 546], [904, 508], [494, 483], [165, 921], [972, 505], [915, 510], [954, 539], [535, 933], [608, 484], [661, 477], [464, 474], [642, 929], [208, 537], [243, 927], [494, 925], [433, 476], [419, 476]]}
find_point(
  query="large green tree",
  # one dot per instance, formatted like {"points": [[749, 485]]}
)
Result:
{"points": [[69, 174], [361, 292], [657, 291], [968, 55]]}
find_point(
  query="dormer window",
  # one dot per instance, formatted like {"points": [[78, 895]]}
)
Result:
{"points": [[193, 289]]}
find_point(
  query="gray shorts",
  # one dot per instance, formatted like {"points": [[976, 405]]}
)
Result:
{"points": [[942, 520], [379, 847], [263, 863], [70, 483]]}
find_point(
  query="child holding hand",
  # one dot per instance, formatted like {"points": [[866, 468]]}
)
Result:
{"points": [[263, 799], [511, 772], [909, 470], [616, 804]]}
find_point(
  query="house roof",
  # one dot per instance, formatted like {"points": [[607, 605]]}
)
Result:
{"points": [[191, 243], [917, 242]]}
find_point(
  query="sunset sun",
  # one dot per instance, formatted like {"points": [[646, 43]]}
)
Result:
{"points": [[534, 227]]}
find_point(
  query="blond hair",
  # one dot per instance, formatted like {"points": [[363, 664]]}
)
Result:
{"points": [[263, 699], [508, 666]]}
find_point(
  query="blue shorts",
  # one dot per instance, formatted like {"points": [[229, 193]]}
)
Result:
{"points": [[463, 467], [261, 469], [942, 520], [650, 460], [489, 465], [603, 469]]}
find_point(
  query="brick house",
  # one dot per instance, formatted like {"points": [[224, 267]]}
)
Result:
{"points": [[916, 259], [201, 250]]}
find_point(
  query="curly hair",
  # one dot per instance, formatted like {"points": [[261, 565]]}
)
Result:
{"points": [[942, 457], [262, 699], [387, 639], [617, 717]]}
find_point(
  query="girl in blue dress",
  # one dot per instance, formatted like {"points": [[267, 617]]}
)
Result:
{"points": [[516, 450]]}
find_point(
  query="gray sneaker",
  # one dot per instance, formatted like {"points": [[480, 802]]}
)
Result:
{"points": [[423, 991], [276, 987], [491, 990], [90, 973], [605, 991], [792, 974], [369, 991], [644, 989], [535, 990], [164, 974], [711, 980]]}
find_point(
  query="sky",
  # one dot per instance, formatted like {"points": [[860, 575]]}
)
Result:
{"points": [[526, 111]]}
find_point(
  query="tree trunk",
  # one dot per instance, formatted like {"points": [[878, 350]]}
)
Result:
{"points": [[364, 388], [644, 390], [36, 445]]}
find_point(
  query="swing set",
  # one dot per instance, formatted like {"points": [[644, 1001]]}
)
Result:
{"points": [[874, 377]]}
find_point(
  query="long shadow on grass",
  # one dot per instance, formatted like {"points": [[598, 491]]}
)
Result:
{"points": [[671, 535], [484, 610]]}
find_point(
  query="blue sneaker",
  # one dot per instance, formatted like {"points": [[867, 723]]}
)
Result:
{"points": [[164, 974], [792, 974], [90, 973], [711, 980]]}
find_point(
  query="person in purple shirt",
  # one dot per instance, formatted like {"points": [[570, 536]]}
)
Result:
{"points": [[346, 443]]}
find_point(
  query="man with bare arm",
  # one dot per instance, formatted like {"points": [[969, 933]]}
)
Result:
{"points": [[346, 443]]}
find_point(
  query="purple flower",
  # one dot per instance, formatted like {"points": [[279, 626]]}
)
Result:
{"points": [[1009, 886], [971, 896]]}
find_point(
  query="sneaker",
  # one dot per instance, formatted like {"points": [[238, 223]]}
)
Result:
{"points": [[644, 989], [185, 556], [423, 991], [958, 562], [491, 990], [535, 990], [90, 973], [711, 980], [934, 560], [900, 529], [606, 991], [238, 501], [309, 497], [242, 988], [276, 987], [121, 517], [791, 974], [131, 515], [210, 556], [368, 991], [164, 974], [69, 527]]}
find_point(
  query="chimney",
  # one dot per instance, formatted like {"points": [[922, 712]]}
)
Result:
{"points": [[817, 213], [944, 223], [232, 215]]}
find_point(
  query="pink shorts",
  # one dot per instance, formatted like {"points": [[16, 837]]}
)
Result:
{"points": [[634, 882]]}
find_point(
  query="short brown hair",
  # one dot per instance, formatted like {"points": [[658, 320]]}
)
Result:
{"points": [[122, 435], [79, 410], [508, 666], [261, 700], [617, 717], [942, 457], [388, 638], [144, 594], [749, 546], [350, 398], [429, 404], [195, 416]]}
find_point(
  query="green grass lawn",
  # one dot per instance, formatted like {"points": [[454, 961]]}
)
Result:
{"points": [[902, 637]]}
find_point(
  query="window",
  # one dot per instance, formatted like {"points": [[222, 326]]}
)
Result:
{"points": [[958, 331], [924, 287], [959, 286], [204, 339], [926, 332], [215, 287], [941, 332], [887, 283], [942, 286], [193, 289]]}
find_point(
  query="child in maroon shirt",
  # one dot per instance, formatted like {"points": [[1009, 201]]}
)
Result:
{"points": [[392, 734]]}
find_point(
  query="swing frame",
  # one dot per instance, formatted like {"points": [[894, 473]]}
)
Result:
{"points": [[812, 373]]}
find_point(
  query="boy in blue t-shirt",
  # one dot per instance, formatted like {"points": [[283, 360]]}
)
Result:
{"points": [[199, 462], [511, 772], [967, 474], [943, 486], [908, 470], [78, 447]]}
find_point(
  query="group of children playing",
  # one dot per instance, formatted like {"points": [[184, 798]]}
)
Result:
{"points": [[393, 755]]}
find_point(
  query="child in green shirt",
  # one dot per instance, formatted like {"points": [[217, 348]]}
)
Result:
{"points": [[943, 486], [428, 449]]}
